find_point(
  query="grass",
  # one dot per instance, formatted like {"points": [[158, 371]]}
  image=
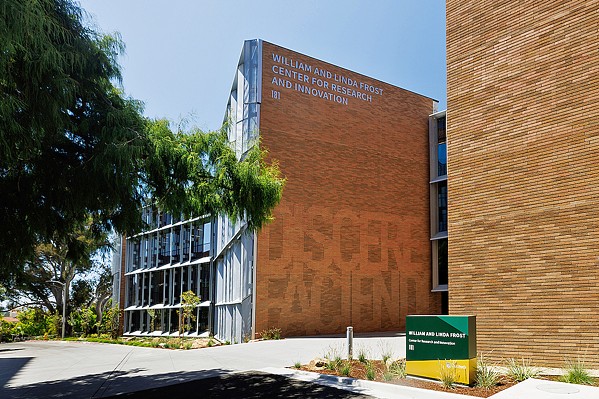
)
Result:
{"points": [[486, 377], [333, 357], [448, 373], [398, 368], [362, 355], [386, 351], [370, 371], [345, 369], [519, 372], [576, 373]]}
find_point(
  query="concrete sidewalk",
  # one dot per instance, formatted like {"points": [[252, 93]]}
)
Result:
{"points": [[39, 369]]}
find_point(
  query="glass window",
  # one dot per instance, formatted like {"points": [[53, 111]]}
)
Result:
{"points": [[442, 262], [442, 205]]}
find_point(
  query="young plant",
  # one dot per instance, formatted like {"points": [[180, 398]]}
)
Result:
{"points": [[386, 351], [297, 365], [398, 368], [187, 311], [370, 371], [333, 357], [448, 373], [362, 355], [576, 373], [486, 377], [519, 372], [345, 369]]}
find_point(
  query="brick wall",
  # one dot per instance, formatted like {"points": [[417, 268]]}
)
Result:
{"points": [[350, 243], [523, 139]]}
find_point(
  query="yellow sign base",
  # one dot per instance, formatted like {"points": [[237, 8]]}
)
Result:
{"points": [[463, 371]]}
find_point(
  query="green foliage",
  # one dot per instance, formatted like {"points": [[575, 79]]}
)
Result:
{"points": [[398, 368], [297, 365], [576, 373], [110, 321], [210, 343], [362, 355], [72, 146], [187, 311], [69, 140], [448, 373], [486, 377], [271, 333], [83, 320], [521, 371], [370, 371], [345, 369], [388, 376], [32, 322], [333, 357]]}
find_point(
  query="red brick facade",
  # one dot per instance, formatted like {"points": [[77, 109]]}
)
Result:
{"points": [[523, 139], [350, 243]]}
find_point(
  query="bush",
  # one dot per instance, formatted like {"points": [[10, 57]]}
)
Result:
{"points": [[519, 372], [370, 371], [271, 333], [32, 323], [486, 377], [398, 368], [345, 369], [362, 355], [576, 373]]}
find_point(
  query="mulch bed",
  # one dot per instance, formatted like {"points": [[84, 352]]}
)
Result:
{"points": [[358, 370]]}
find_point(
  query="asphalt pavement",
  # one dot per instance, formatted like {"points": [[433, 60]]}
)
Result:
{"points": [[57, 369]]}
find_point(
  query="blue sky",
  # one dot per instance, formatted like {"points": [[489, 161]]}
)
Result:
{"points": [[181, 55]]}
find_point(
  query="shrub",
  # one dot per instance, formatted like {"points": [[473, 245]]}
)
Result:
{"points": [[576, 373], [388, 376], [345, 369], [520, 372], [362, 355], [297, 365], [370, 371], [448, 373], [271, 333], [398, 368]]}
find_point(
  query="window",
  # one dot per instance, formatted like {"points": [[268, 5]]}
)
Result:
{"points": [[441, 148], [442, 262], [442, 205]]}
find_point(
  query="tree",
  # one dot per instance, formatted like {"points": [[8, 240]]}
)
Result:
{"points": [[189, 304], [72, 146], [46, 279]]}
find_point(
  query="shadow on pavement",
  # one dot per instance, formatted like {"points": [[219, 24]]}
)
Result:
{"points": [[251, 384], [103, 384], [11, 366]]}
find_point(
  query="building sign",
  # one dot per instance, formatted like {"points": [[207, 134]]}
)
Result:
{"points": [[441, 344], [289, 73]]}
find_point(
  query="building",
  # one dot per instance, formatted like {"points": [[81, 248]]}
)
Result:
{"points": [[350, 244], [523, 138]]}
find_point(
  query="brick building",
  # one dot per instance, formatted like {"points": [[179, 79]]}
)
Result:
{"points": [[350, 244], [523, 137]]}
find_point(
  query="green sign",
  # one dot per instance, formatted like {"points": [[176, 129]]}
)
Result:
{"points": [[435, 343]]}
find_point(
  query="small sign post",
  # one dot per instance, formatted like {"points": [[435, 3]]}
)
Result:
{"points": [[441, 344]]}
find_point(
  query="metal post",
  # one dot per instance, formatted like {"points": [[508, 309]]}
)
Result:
{"points": [[350, 342], [64, 307]]}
